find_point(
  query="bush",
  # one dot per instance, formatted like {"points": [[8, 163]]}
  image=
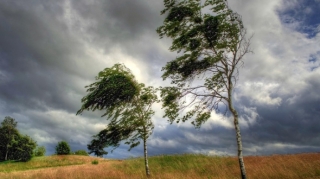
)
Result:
{"points": [[63, 148], [81, 152], [95, 162], [40, 151]]}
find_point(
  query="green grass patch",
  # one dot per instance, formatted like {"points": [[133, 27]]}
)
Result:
{"points": [[95, 162], [200, 164], [40, 162]]}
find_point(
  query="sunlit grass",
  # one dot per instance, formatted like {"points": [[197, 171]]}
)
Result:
{"points": [[43, 162], [202, 166], [187, 166]]}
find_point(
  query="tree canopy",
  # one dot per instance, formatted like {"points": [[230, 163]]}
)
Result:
{"points": [[114, 87], [213, 45], [63, 148]]}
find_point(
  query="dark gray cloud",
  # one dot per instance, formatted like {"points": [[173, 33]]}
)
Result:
{"points": [[50, 50]]}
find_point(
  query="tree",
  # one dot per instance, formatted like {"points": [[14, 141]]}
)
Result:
{"points": [[129, 111], [63, 148], [8, 133], [13, 145], [204, 75], [40, 151]]}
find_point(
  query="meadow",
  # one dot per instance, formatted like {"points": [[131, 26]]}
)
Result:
{"points": [[187, 166]]}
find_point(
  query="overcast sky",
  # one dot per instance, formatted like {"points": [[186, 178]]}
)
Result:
{"points": [[50, 50]]}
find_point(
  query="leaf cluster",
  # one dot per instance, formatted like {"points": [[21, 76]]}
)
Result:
{"points": [[114, 87], [130, 124], [203, 38]]}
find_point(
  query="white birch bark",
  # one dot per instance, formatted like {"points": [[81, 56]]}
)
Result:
{"points": [[237, 128]]}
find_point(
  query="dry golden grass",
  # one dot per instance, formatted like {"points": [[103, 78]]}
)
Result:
{"points": [[180, 166]]}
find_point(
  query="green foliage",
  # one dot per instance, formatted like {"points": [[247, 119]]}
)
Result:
{"points": [[22, 148], [13, 145], [9, 122], [39, 151], [179, 13], [213, 43], [95, 162], [81, 152], [96, 147], [41, 162], [210, 26], [128, 107], [129, 124], [63, 148], [8, 133], [114, 87]]}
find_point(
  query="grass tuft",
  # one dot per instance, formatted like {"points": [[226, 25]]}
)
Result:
{"points": [[95, 162]]}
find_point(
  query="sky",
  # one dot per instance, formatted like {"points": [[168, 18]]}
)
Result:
{"points": [[50, 50]]}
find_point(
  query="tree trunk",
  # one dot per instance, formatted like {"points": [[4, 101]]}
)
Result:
{"points": [[146, 156], [6, 158], [239, 143], [237, 128]]}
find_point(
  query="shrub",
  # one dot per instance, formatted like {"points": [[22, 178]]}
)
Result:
{"points": [[95, 162], [40, 151], [63, 148], [81, 152]]}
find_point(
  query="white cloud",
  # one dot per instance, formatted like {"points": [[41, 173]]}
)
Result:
{"points": [[260, 93], [156, 142]]}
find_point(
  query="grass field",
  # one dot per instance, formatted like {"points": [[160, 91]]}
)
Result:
{"points": [[186, 166]]}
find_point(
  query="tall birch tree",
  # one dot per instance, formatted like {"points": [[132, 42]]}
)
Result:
{"points": [[211, 42], [128, 106]]}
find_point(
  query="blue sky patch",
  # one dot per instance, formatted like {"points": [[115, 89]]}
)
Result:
{"points": [[303, 16]]}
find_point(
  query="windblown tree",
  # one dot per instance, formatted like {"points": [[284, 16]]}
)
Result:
{"points": [[204, 75], [128, 106]]}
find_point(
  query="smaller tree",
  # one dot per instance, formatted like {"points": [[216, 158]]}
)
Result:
{"points": [[63, 148], [127, 104], [39, 151]]}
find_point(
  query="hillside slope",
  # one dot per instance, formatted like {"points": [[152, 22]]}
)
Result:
{"points": [[186, 166]]}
